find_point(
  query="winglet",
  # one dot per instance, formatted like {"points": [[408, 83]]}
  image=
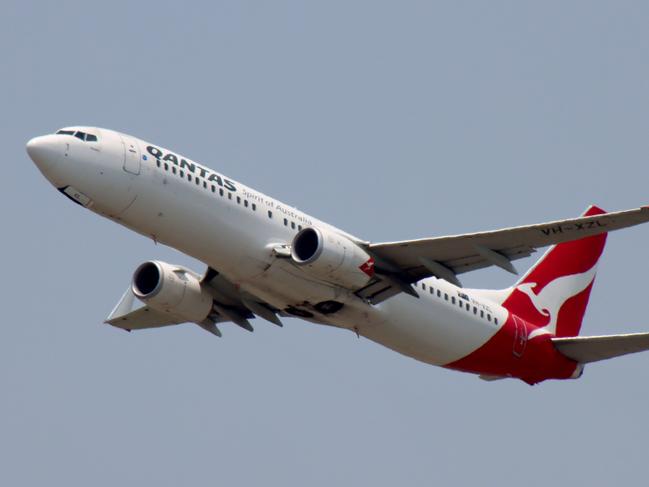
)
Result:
{"points": [[129, 317], [123, 307]]}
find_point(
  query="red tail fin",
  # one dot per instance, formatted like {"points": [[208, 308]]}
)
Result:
{"points": [[554, 293]]}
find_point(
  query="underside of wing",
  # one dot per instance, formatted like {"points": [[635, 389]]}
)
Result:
{"points": [[408, 261], [228, 304], [130, 314], [126, 317], [232, 304]]}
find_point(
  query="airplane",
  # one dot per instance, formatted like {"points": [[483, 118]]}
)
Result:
{"points": [[269, 260]]}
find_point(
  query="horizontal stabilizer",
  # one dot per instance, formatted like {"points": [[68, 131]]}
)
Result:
{"points": [[592, 349]]}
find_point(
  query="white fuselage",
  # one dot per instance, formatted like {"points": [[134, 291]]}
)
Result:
{"points": [[235, 229]]}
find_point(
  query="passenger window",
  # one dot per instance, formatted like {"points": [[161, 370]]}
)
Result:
{"points": [[166, 166], [475, 310], [229, 196], [488, 317], [204, 185], [173, 169], [423, 286], [221, 191], [198, 181], [446, 296], [245, 203], [270, 214], [481, 314], [299, 227], [495, 320], [452, 299], [157, 162], [254, 207], [293, 225], [238, 200], [189, 178], [285, 222], [432, 291], [91, 138], [468, 307], [213, 189], [439, 293]]}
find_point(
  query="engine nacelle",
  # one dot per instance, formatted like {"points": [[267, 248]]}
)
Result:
{"points": [[332, 257], [172, 289]]}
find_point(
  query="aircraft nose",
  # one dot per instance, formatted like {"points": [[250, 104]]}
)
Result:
{"points": [[45, 150]]}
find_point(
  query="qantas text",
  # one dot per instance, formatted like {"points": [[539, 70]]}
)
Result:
{"points": [[191, 167]]}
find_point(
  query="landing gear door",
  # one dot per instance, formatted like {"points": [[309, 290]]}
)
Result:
{"points": [[131, 155]]}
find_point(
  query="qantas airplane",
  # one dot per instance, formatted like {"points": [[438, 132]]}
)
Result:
{"points": [[269, 260]]}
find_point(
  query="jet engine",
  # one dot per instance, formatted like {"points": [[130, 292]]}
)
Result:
{"points": [[332, 257], [172, 289]]}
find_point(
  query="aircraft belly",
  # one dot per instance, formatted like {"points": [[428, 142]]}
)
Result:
{"points": [[431, 331]]}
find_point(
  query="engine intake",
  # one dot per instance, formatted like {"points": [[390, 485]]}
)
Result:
{"points": [[172, 289], [307, 246], [332, 257], [146, 280]]}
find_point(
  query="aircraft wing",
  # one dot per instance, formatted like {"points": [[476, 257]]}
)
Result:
{"points": [[126, 317], [408, 261], [592, 349], [230, 304]]}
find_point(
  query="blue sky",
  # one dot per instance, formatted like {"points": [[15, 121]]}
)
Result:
{"points": [[391, 120]]}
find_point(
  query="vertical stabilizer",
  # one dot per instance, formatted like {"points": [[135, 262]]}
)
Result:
{"points": [[554, 293]]}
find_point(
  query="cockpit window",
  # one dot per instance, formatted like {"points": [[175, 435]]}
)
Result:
{"points": [[79, 135]]}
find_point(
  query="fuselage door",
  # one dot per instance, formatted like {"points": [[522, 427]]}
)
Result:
{"points": [[131, 155]]}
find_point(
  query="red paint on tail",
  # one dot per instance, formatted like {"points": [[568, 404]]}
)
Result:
{"points": [[577, 257], [550, 299]]}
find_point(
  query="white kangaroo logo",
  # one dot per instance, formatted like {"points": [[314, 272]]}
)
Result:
{"points": [[552, 297]]}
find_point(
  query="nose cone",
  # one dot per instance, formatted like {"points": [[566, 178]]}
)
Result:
{"points": [[45, 151]]}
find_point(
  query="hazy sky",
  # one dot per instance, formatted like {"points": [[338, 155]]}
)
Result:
{"points": [[391, 120]]}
